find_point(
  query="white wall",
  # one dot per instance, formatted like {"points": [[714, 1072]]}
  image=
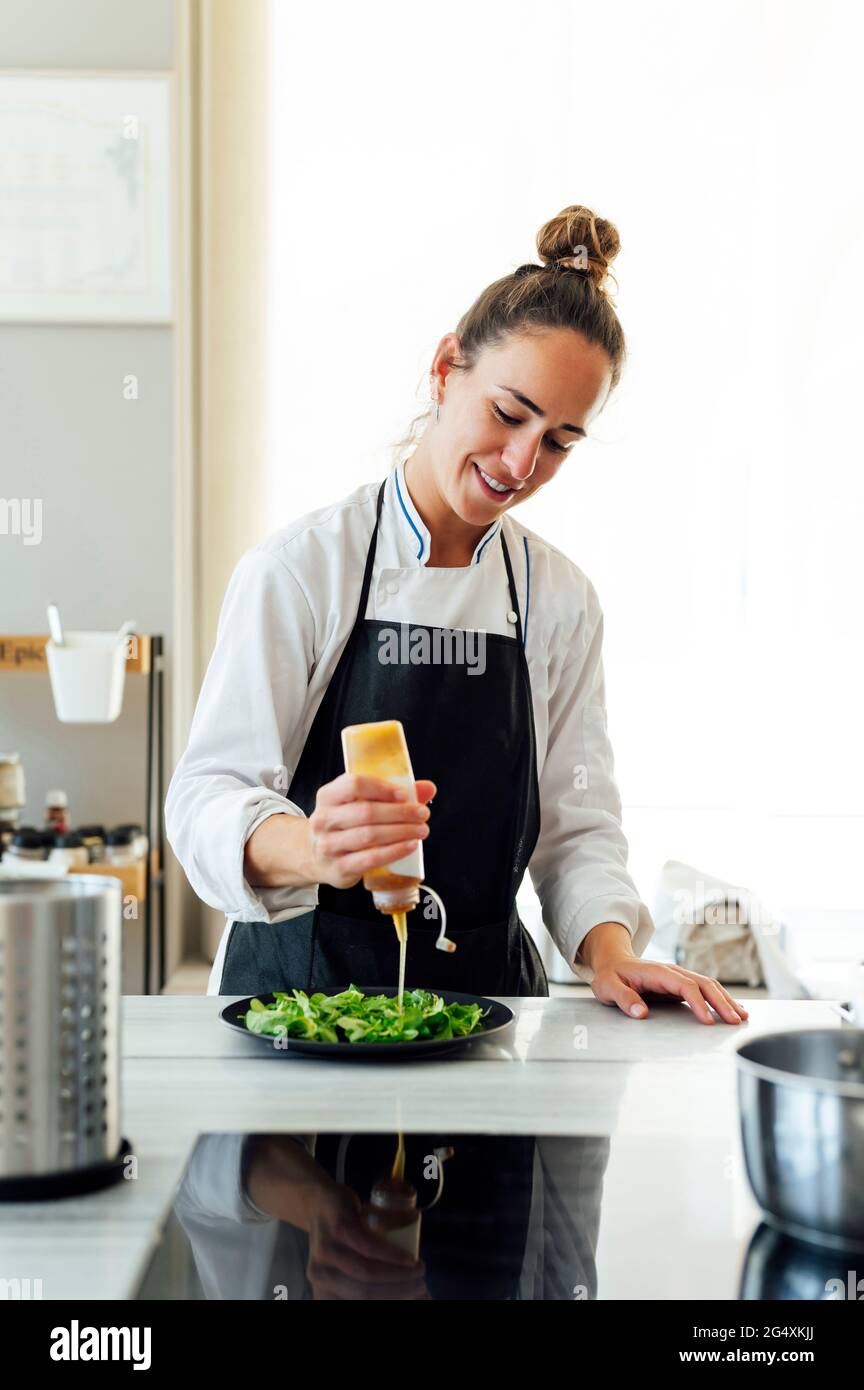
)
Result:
{"points": [[102, 466]]}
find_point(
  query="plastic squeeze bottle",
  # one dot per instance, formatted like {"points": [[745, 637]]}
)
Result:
{"points": [[394, 1214], [393, 1210], [380, 750]]}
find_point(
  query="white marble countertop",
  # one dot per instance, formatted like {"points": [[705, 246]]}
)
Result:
{"points": [[664, 1086]]}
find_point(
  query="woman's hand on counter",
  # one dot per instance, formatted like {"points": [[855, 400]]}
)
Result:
{"points": [[619, 976]]}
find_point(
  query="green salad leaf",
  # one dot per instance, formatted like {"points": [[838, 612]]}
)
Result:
{"points": [[353, 1016]]}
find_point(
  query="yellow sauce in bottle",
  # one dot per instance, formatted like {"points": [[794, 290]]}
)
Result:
{"points": [[392, 1209], [380, 750]]}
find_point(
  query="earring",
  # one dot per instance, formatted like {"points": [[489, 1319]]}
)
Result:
{"points": [[437, 412]]}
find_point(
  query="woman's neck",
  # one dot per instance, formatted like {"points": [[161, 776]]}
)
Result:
{"points": [[452, 540]]}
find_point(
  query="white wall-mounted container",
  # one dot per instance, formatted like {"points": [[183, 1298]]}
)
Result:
{"points": [[87, 675]]}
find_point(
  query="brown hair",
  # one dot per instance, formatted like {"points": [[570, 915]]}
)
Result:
{"points": [[569, 290]]}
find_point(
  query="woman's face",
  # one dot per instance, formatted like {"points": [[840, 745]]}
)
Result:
{"points": [[486, 422]]}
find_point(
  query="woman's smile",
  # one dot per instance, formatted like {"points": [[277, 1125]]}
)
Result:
{"points": [[498, 493]]}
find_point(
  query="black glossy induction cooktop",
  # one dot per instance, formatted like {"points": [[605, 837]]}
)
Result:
{"points": [[332, 1215]]}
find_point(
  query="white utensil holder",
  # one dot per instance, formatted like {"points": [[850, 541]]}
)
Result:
{"points": [[87, 675]]}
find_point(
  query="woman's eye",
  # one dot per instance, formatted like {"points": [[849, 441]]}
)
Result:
{"points": [[509, 420]]}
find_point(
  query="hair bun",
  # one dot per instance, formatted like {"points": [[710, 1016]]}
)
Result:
{"points": [[577, 239]]}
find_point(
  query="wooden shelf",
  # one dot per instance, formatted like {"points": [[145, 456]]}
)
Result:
{"points": [[145, 880], [20, 652], [132, 876]]}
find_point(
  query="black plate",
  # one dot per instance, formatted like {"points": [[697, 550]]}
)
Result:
{"points": [[497, 1019]]}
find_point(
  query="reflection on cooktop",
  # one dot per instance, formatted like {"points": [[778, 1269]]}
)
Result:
{"points": [[281, 1217], [379, 1216]]}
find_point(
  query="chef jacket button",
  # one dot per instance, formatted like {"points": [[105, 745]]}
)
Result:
{"points": [[511, 616], [392, 586]]}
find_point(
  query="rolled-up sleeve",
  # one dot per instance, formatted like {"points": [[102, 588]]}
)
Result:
{"points": [[232, 776], [579, 865]]}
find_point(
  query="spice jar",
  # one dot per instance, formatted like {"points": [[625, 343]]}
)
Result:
{"points": [[57, 811], [93, 837], [118, 848], [27, 844], [12, 795], [8, 829], [69, 849], [138, 838]]}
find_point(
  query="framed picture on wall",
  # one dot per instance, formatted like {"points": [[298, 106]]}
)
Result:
{"points": [[85, 220]]}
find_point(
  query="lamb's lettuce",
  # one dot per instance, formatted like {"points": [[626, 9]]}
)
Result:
{"points": [[356, 1017]]}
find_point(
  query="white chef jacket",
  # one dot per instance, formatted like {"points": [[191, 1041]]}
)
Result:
{"points": [[287, 614]]}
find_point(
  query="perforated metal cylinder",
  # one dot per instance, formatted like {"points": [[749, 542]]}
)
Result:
{"points": [[60, 986]]}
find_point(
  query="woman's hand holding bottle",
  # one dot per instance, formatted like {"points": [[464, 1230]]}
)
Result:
{"points": [[361, 823]]}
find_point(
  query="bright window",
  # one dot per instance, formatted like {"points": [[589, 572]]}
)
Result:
{"points": [[719, 507]]}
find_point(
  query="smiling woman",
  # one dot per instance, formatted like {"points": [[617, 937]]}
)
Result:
{"points": [[434, 545]]}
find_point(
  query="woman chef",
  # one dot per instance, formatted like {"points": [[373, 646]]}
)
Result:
{"points": [[512, 744]]}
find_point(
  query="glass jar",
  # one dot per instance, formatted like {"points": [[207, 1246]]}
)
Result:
{"points": [[138, 838], [8, 829], [12, 794], [57, 811], [93, 837], [69, 849], [118, 848], [27, 844]]}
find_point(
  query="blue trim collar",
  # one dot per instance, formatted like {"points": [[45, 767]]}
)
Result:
{"points": [[417, 533]]}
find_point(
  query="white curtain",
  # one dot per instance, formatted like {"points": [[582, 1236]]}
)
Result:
{"points": [[222, 231]]}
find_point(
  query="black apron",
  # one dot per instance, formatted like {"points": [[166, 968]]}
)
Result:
{"points": [[473, 735]]}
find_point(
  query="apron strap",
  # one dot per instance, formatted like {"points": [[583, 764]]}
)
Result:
{"points": [[370, 560], [512, 584]]}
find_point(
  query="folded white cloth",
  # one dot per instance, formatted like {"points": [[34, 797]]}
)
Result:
{"points": [[687, 894]]}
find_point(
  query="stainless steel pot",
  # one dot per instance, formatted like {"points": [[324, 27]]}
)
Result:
{"points": [[60, 958], [801, 1098]]}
